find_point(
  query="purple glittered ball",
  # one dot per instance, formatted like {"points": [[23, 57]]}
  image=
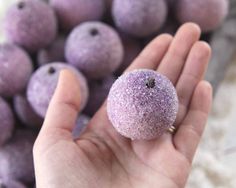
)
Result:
{"points": [[208, 14], [6, 121], [98, 90], [73, 12], [43, 83], [11, 184], [94, 48], [81, 123], [25, 112], [16, 159], [142, 105], [52, 53], [139, 18], [15, 70], [31, 24]]}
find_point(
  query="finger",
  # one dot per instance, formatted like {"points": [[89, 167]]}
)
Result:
{"points": [[190, 132], [152, 55], [192, 74], [175, 58], [64, 106]]}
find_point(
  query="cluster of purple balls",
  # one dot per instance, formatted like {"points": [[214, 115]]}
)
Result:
{"points": [[97, 40]]}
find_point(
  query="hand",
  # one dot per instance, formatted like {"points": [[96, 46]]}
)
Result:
{"points": [[101, 157]]}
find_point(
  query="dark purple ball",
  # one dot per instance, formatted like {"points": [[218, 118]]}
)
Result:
{"points": [[132, 48], [31, 24], [25, 112], [142, 104], [15, 70], [11, 184], [6, 121], [80, 126], [98, 90], [139, 18], [73, 12], [94, 48], [53, 53], [208, 14], [43, 84], [16, 159]]}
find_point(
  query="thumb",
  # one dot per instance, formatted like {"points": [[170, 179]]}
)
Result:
{"points": [[65, 104]]}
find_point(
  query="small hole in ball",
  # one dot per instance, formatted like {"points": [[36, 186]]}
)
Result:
{"points": [[150, 83], [94, 32], [51, 70], [21, 5]]}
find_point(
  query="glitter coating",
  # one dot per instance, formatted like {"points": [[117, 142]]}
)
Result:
{"points": [[13, 58], [34, 26], [6, 121], [53, 53], [139, 109], [94, 48], [43, 84], [208, 14], [73, 12], [16, 160], [80, 126], [25, 112], [98, 90], [139, 18]]}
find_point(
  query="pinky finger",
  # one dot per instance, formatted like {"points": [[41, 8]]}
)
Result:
{"points": [[190, 130]]}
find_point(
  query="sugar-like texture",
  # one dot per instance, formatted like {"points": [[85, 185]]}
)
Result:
{"points": [[43, 83], [139, 18], [94, 48], [142, 104]]}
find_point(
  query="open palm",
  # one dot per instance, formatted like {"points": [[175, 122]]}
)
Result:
{"points": [[101, 157]]}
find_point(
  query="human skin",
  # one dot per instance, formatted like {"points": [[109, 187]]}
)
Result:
{"points": [[103, 158]]}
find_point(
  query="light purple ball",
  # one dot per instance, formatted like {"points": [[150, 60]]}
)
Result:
{"points": [[25, 112], [208, 14], [16, 159], [31, 24], [15, 70], [53, 53], [94, 48], [73, 12], [142, 105], [139, 18], [11, 184], [80, 126], [98, 90], [43, 84], [132, 48], [6, 121]]}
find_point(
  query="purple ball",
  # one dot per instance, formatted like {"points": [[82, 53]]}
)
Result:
{"points": [[142, 105], [53, 53], [208, 14], [98, 90], [43, 84], [16, 159], [94, 48], [6, 121], [25, 112], [15, 70], [31, 24], [132, 48], [11, 184], [80, 126], [139, 18], [73, 12]]}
